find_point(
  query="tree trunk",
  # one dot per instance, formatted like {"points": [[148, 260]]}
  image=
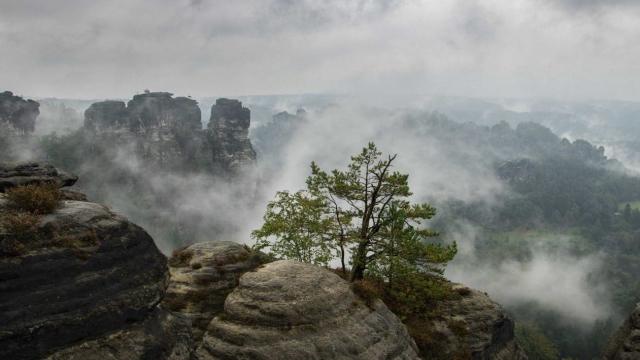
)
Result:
{"points": [[359, 261], [344, 269]]}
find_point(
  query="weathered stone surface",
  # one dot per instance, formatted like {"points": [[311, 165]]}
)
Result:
{"points": [[229, 135], [167, 132], [162, 335], [106, 115], [161, 110], [17, 114], [291, 310], [163, 130], [625, 343], [476, 326], [87, 272], [202, 275], [12, 175], [72, 195]]}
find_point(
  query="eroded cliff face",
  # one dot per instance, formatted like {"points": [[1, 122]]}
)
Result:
{"points": [[17, 123], [625, 343], [80, 275], [167, 132], [17, 114], [229, 134], [472, 327], [163, 131]]}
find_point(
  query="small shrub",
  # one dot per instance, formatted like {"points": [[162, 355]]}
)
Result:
{"points": [[19, 229], [37, 199], [19, 224]]}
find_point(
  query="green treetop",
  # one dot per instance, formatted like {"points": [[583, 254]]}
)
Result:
{"points": [[363, 210]]}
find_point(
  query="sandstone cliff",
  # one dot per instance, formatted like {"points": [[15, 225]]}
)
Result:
{"points": [[167, 132], [83, 275], [17, 114], [472, 327], [229, 134], [625, 343]]}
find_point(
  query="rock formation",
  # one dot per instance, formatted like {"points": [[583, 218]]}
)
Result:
{"points": [[106, 115], [625, 343], [86, 276], [229, 134], [291, 310], [17, 114], [90, 285], [167, 132], [202, 275], [164, 131], [32, 173], [473, 327]]}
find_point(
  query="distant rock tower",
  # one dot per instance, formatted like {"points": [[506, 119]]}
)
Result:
{"points": [[17, 115], [229, 135]]}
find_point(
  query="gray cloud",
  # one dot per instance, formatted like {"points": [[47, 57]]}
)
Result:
{"points": [[594, 4], [212, 47]]}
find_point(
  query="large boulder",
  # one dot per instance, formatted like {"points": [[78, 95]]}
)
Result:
{"points": [[472, 326], [202, 275], [85, 273], [229, 135], [625, 343], [12, 175], [291, 310]]}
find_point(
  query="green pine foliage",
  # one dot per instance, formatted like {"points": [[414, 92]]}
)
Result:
{"points": [[362, 211]]}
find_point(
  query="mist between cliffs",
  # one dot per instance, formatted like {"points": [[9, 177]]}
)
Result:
{"points": [[447, 162]]}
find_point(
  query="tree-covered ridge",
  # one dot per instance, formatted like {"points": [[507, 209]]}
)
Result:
{"points": [[563, 196]]}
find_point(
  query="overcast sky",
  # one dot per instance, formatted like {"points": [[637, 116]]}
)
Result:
{"points": [[573, 49]]}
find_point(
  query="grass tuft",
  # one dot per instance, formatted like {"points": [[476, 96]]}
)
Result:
{"points": [[37, 199]]}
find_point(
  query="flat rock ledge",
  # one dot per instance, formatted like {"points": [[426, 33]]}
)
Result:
{"points": [[12, 175], [290, 310]]}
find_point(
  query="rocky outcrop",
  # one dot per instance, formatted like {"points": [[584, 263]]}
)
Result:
{"points": [[474, 327], [106, 115], [229, 135], [202, 275], [167, 132], [625, 343], [89, 284], [291, 310], [17, 114], [155, 110], [164, 131], [162, 335], [12, 175], [87, 279]]}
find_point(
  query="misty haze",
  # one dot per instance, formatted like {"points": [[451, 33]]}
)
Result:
{"points": [[320, 179]]}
